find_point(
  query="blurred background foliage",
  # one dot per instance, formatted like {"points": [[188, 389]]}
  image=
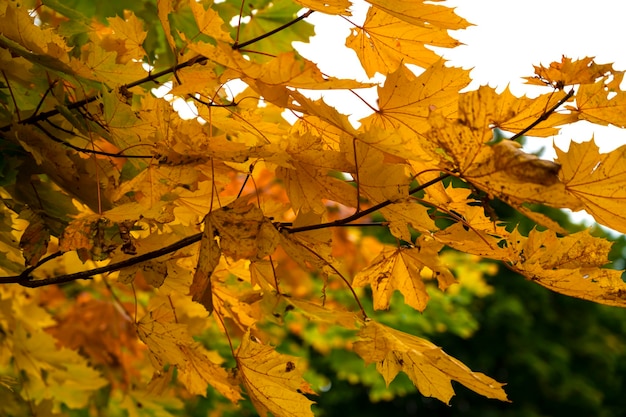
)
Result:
{"points": [[559, 356]]}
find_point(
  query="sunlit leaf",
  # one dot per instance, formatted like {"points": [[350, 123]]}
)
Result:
{"points": [[273, 380], [428, 367]]}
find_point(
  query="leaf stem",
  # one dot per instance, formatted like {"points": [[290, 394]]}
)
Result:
{"points": [[238, 45], [25, 279], [544, 116], [363, 213]]}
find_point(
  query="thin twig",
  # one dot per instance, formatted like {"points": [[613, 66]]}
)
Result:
{"points": [[365, 212], [85, 150], [237, 45], [25, 279], [17, 109], [544, 116]]}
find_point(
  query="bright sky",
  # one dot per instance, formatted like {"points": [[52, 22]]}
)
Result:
{"points": [[509, 37]]}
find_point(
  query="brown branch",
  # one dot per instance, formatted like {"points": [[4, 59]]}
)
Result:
{"points": [[238, 45], [544, 116], [360, 214], [152, 77], [85, 150], [17, 109], [25, 278]]}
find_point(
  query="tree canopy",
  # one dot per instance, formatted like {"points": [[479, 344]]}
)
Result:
{"points": [[194, 248]]}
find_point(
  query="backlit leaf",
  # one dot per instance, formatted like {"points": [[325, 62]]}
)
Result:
{"points": [[597, 179], [570, 265], [399, 269], [273, 380], [428, 367], [384, 42]]}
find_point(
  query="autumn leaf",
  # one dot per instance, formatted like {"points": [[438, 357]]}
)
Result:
{"points": [[385, 42], [428, 367], [503, 170], [399, 269], [601, 103], [208, 258], [34, 240], [273, 380], [420, 13], [486, 109], [597, 180], [329, 7], [170, 343], [405, 101], [61, 374], [570, 265], [569, 72]]}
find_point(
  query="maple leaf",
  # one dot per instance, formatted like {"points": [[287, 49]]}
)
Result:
{"points": [[421, 13], [399, 269], [61, 374], [273, 380], [486, 109], [570, 265], [428, 367], [385, 42], [597, 180], [503, 169], [569, 72], [601, 103], [405, 101], [170, 343]]}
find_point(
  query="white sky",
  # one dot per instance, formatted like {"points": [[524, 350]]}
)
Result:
{"points": [[509, 37]]}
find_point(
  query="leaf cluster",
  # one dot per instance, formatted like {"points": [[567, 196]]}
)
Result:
{"points": [[228, 222]]}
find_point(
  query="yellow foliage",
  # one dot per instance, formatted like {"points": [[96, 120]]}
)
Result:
{"points": [[197, 233]]}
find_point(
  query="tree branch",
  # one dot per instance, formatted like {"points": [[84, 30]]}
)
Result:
{"points": [[238, 45], [363, 213], [544, 116], [25, 279], [152, 76]]}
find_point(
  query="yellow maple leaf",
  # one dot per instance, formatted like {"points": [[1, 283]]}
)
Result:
{"points": [[601, 104], [404, 213], [405, 101], [39, 45], [384, 42], [422, 13], [486, 109], [208, 258], [376, 187], [53, 373], [568, 72], [399, 269], [273, 380], [128, 35], [597, 179], [307, 187], [428, 367], [209, 22], [328, 6], [319, 313], [164, 9], [503, 170], [569, 265], [239, 231], [244, 231], [170, 343]]}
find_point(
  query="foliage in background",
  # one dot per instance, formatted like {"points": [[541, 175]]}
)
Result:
{"points": [[209, 260]]}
